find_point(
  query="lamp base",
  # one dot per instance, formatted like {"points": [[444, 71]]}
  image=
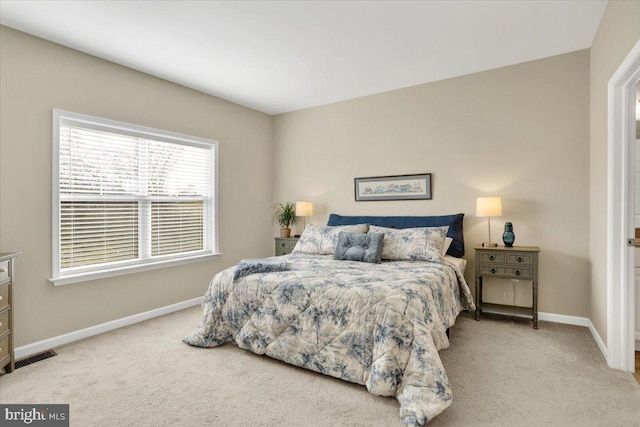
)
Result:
{"points": [[489, 245]]}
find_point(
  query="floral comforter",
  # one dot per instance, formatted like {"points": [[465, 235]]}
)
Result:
{"points": [[380, 325]]}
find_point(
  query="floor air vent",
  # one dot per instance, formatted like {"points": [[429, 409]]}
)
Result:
{"points": [[35, 358]]}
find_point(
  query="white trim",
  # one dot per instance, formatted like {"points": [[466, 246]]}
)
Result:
{"points": [[119, 271], [39, 346], [596, 336], [143, 262], [562, 318], [620, 217]]}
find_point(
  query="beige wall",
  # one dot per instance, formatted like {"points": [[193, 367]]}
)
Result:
{"points": [[520, 132], [619, 30], [36, 76]]}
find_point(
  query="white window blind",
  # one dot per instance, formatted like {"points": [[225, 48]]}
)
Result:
{"points": [[129, 195]]}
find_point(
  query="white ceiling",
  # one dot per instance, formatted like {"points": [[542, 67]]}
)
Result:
{"points": [[280, 56]]}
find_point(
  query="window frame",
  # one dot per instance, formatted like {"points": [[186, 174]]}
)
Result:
{"points": [[100, 271]]}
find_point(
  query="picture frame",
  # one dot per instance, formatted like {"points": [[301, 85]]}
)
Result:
{"points": [[393, 187]]}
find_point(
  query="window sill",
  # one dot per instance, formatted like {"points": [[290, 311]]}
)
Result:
{"points": [[119, 271]]}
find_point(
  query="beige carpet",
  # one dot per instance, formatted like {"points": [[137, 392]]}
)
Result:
{"points": [[503, 373]]}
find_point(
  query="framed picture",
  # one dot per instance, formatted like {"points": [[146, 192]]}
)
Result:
{"points": [[396, 187]]}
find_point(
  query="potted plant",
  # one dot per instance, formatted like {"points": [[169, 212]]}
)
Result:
{"points": [[284, 215]]}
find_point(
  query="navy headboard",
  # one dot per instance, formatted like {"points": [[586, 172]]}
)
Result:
{"points": [[453, 221]]}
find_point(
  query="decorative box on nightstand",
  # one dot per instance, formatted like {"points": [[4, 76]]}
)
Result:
{"points": [[284, 245], [517, 262]]}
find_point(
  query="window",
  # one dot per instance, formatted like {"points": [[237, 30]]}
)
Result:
{"points": [[128, 198]]}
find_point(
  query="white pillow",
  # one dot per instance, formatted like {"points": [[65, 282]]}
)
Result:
{"points": [[322, 239], [415, 244], [447, 243]]}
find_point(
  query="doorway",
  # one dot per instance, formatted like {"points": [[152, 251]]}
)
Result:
{"points": [[637, 233], [621, 289]]}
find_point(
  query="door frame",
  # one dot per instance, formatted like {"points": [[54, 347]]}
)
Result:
{"points": [[620, 213]]}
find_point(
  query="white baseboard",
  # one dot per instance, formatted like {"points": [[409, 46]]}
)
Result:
{"points": [[596, 336], [39, 346], [562, 318], [578, 321]]}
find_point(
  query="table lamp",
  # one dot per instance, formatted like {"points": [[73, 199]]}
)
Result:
{"points": [[489, 206], [304, 209]]}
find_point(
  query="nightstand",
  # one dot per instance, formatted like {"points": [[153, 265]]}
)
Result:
{"points": [[517, 262], [284, 245]]}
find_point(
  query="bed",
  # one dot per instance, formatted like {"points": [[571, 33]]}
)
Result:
{"points": [[379, 324]]}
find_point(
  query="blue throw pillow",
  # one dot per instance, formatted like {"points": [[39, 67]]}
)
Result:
{"points": [[359, 247]]}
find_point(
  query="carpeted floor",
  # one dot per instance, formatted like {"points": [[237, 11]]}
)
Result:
{"points": [[503, 373]]}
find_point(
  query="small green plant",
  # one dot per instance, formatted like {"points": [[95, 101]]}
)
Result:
{"points": [[284, 215]]}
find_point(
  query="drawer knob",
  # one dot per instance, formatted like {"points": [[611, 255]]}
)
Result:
{"points": [[0, 297], [3, 269], [493, 270], [0, 324], [491, 257], [517, 272], [519, 259]]}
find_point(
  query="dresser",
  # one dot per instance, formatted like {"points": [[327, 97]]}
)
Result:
{"points": [[517, 262], [7, 358], [284, 245]]}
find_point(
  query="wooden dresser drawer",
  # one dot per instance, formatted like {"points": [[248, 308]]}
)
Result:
{"points": [[4, 346], [4, 321], [489, 257], [4, 271], [4, 296]]}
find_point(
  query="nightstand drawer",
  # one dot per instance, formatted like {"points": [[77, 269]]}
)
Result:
{"points": [[4, 321], [282, 251], [284, 245], [515, 272], [492, 257], [4, 296], [520, 258], [489, 270], [519, 273]]}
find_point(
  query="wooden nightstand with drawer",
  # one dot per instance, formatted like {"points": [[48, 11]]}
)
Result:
{"points": [[284, 245], [517, 262], [7, 358]]}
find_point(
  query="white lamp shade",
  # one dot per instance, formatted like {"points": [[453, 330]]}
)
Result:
{"points": [[304, 208], [488, 206]]}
